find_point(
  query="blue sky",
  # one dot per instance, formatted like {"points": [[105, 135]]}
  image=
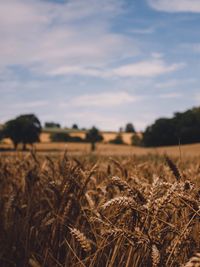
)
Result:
{"points": [[102, 63]]}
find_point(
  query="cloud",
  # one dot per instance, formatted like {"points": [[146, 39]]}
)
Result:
{"points": [[94, 118], [170, 95], [194, 47], [150, 68], [168, 84], [103, 100], [174, 83], [148, 30], [74, 38], [43, 36], [192, 6], [197, 98], [73, 70], [31, 104]]}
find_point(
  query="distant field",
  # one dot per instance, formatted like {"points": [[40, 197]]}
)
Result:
{"points": [[110, 149], [107, 136]]}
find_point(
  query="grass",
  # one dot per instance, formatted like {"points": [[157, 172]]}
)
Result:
{"points": [[96, 210]]}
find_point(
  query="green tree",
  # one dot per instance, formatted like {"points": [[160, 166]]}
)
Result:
{"points": [[65, 137], [52, 125], [161, 133], [24, 129], [136, 140], [183, 128], [118, 140], [75, 126], [59, 137], [129, 128], [1, 134], [93, 136]]}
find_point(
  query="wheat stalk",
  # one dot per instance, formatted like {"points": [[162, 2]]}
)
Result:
{"points": [[84, 242]]}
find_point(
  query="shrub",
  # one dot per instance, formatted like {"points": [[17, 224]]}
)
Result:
{"points": [[59, 137], [118, 140], [65, 137], [136, 140]]}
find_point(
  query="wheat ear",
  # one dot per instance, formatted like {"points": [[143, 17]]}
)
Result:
{"points": [[194, 261], [82, 239]]}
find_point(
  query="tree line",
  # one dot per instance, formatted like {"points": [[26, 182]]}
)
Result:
{"points": [[182, 128], [26, 129]]}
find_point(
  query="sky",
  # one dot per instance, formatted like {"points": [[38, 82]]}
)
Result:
{"points": [[102, 63]]}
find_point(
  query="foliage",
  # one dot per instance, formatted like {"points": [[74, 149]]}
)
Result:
{"points": [[129, 128], [162, 132], [94, 211], [1, 134], [136, 140], [52, 125], [75, 126], [65, 137], [24, 129], [93, 136], [59, 137], [118, 140], [183, 128]]}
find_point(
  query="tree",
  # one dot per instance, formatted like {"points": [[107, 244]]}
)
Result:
{"points": [[24, 129], [93, 136], [136, 140], [129, 128], [75, 126], [183, 128], [1, 134], [161, 133], [51, 125], [59, 137], [118, 140], [65, 137]]}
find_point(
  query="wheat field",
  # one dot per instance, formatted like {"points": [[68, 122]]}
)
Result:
{"points": [[99, 211], [78, 149]]}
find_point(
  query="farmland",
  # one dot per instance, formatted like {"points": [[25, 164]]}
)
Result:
{"points": [[111, 149], [120, 205], [80, 209]]}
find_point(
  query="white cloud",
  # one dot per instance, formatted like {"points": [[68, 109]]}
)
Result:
{"points": [[197, 98], [174, 83], [148, 30], [167, 84], [71, 38], [150, 68], [170, 95], [74, 70], [176, 5], [194, 47], [31, 104], [94, 118], [45, 36], [103, 100]]}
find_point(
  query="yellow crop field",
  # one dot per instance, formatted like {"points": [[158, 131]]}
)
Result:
{"points": [[96, 210], [110, 149], [107, 136]]}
